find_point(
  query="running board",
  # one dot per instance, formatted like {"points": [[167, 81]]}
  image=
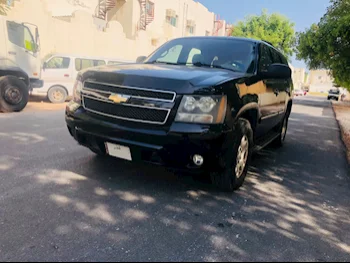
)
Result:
{"points": [[264, 143]]}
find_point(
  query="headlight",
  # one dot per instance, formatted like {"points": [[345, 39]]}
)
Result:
{"points": [[202, 109], [78, 87]]}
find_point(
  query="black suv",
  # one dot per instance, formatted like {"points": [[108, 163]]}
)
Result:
{"points": [[201, 104]]}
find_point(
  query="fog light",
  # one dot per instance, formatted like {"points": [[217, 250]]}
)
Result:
{"points": [[198, 160]]}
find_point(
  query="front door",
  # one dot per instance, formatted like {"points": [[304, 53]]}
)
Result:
{"points": [[22, 49], [57, 68]]}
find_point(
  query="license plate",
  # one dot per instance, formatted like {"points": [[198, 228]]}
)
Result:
{"points": [[118, 151]]}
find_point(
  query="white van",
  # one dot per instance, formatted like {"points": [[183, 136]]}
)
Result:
{"points": [[60, 71]]}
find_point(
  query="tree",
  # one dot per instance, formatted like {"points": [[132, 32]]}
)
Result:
{"points": [[327, 44], [274, 28]]}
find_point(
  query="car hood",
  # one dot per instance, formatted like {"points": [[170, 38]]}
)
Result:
{"points": [[181, 79]]}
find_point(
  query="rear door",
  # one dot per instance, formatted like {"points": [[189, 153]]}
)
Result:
{"points": [[281, 85], [268, 101]]}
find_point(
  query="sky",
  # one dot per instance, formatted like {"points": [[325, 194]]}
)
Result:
{"points": [[302, 12]]}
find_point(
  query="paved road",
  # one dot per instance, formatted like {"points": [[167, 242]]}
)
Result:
{"points": [[59, 202]]}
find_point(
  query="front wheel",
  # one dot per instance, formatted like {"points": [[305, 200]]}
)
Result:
{"points": [[237, 159], [14, 94]]}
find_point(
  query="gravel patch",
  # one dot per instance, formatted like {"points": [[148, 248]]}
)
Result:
{"points": [[342, 112]]}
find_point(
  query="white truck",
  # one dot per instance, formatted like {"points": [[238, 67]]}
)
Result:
{"points": [[20, 63]]}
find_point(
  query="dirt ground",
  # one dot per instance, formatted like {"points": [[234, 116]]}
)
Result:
{"points": [[41, 103], [342, 111]]}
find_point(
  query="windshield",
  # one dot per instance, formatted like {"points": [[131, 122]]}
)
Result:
{"points": [[230, 54], [334, 91]]}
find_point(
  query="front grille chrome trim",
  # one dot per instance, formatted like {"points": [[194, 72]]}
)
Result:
{"points": [[131, 88], [128, 105]]}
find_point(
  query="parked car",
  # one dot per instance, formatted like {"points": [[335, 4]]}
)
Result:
{"points": [[200, 104], [334, 94], [60, 71], [298, 93]]}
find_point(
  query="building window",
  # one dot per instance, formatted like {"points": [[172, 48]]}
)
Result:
{"points": [[150, 8], [191, 30], [172, 20]]}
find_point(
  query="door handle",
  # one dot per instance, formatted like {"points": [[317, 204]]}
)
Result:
{"points": [[66, 75], [13, 53]]}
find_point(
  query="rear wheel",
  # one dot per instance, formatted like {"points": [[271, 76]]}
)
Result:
{"points": [[237, 159], [14, 94], [57, 94]]}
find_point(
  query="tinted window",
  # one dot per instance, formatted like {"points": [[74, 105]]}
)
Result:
{"points": [[284, 60], [58, 63], [265, 58], [276, 58], [231, 54]]}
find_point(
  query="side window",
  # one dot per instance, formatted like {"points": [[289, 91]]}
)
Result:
{"points": [[58, 63], [193, 52], [284, 60], [114, 62], [172, 55], [21, 36], [265, 58], [276, 57], [99, 63], [81, 64], [15, 33]]}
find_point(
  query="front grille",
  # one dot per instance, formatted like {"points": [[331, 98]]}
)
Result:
{"points": [[125, 111], [138, 93]]}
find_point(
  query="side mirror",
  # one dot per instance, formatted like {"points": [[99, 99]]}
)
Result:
{"points": [[141, 59], [45, 65], [277, 71]]}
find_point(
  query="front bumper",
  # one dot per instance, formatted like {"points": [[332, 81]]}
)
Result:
{"points": [[172, 147]]}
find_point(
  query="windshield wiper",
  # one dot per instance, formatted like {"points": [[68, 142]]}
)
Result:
{"points": [[213, 66], [165, 62]]}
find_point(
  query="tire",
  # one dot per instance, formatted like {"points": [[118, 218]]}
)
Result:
{"points": [[57, 94], [232, 176], [14, 94], [282, 129], [98, 152]]}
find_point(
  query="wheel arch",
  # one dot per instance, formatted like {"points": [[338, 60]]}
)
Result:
{"points": [[250, 112]]}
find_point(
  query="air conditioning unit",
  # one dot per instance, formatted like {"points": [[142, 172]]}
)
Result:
{"points": [[170, 13], [191, 23]]}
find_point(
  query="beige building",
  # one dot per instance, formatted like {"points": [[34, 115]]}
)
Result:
{"points": [[320, 81], [298, 75], [116, 28]]}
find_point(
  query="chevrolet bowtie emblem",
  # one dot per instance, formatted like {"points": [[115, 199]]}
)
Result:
{"points": [[117, 98]]}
